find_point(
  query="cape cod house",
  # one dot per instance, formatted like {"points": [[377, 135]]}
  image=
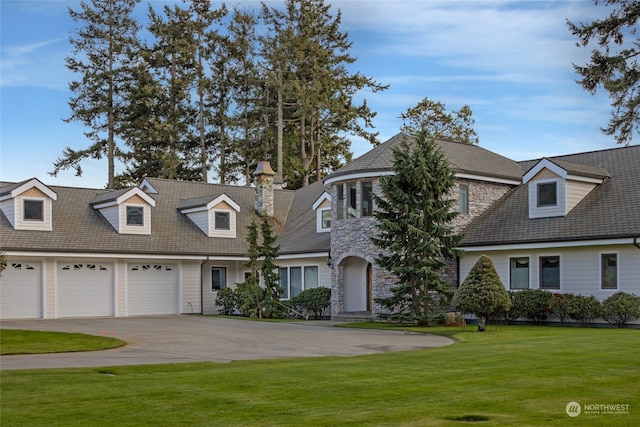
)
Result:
{"points": [[567, 224]]}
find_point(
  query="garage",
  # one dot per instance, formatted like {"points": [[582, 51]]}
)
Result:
{"points": [[21, 290], [84, 289], [152, 289]]}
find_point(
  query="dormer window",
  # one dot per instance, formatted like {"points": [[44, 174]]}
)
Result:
{"points": [[322, 206], [135, 215], [548, 194], [33, 210], [222, 220]]}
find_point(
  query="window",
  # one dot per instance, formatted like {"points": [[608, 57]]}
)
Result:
{"points": [[340, 203], [609, 271], [325, 219], [351, 210], [218, 278], [367, 198], [294, 280], [547, 194], [134, 215], [519, 273], [33, 210], [222, 221], [550, 272], [463, 195]]}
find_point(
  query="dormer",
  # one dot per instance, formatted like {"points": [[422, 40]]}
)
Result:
{"points": [[322, 207], [215, 214], [28, 205], [556, 186], [127, 210]]}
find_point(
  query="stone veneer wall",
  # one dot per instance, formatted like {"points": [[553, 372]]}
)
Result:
{"points": [[351, 237]]}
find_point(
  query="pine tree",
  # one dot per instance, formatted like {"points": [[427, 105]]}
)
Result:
{"points": [[433, 117], [101, 56], [614, 66], [413, 216], [269, 252], [482, 292]]}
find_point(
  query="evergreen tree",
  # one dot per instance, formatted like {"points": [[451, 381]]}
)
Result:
{"points": [[614, 66], [432, 117], [269, 252], [101, 56], [413, 216], [482, 292]]}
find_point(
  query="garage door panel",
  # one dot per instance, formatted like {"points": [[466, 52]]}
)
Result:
{"points": [[85, 290], [152, 289], [21, 290]]}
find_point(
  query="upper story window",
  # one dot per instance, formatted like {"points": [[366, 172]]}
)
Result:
{"points": [[135, 215], [463, 196], [33, 210], [325, 219], [340, 202], [367, 198], [322, 206], [352, 198], [222, 220], [547, 194]]}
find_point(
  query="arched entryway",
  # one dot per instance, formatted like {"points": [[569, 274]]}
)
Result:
{"points": [[357, 278]]}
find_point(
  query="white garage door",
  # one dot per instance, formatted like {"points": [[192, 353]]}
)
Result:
{"points": [[21, 291], [152, 289], [84, 289]]}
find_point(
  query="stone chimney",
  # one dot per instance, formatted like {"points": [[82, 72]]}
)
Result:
{"points": [[264, 189]]}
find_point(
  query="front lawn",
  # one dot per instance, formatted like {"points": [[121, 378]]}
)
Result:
{"points": [[514, 375], [16, 341]]}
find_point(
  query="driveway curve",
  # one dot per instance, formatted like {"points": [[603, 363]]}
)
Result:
{"points": [[179, 339]]}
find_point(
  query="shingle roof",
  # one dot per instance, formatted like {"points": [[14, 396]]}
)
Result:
{"points": [[78, 227], [463, 159], [611, 210]]}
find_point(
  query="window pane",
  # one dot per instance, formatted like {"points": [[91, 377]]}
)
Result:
{"points": [[367, 198], [33, 210], [222, 220], [519, 273], [550, 272], [296, 280], [351, 211], [340, 201], [284, 282], [134, 215], [326, 219], [547, 194], [218, 278], [464, 198], [310, 277], [609, 271]]}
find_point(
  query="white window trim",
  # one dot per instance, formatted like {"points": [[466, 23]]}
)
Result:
{"points": [[226, 277], [228, 212], [126, 214], [537, 183], [539, 269], [302, 268], [319, 227], [43, 201], [617, 254], [509, 258]]}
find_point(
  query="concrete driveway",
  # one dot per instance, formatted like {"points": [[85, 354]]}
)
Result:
{"points": [[177, 339]]}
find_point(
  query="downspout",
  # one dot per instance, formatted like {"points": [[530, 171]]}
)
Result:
{"points": [[202, 285], [635, 242]]}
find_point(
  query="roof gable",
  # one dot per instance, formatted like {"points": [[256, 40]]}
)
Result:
{"points": [[14, 190]]}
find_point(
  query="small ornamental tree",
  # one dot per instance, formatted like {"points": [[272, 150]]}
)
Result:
{"points": [[482, 292], [413, 216]]}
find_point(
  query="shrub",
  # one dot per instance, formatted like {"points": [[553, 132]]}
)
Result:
{"points": [[561, 306], [530, 304], [482, 292], [314, 300], [584, 309], [621, 308], [227, 300], [251, 299]]}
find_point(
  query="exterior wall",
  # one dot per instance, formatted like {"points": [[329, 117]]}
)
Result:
{"points": [[559, 209], [145, 228], [579, 267], [350, 237], [201, 219], [7, 207], [190, 287], [112, 215], [235, 275], [576, 191], [33, 194]]}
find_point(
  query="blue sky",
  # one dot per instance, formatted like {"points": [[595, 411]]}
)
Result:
{"points": [[511, 62]]}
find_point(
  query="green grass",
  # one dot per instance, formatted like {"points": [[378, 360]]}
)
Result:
{"points": [[519, 376], [16, 341]]}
